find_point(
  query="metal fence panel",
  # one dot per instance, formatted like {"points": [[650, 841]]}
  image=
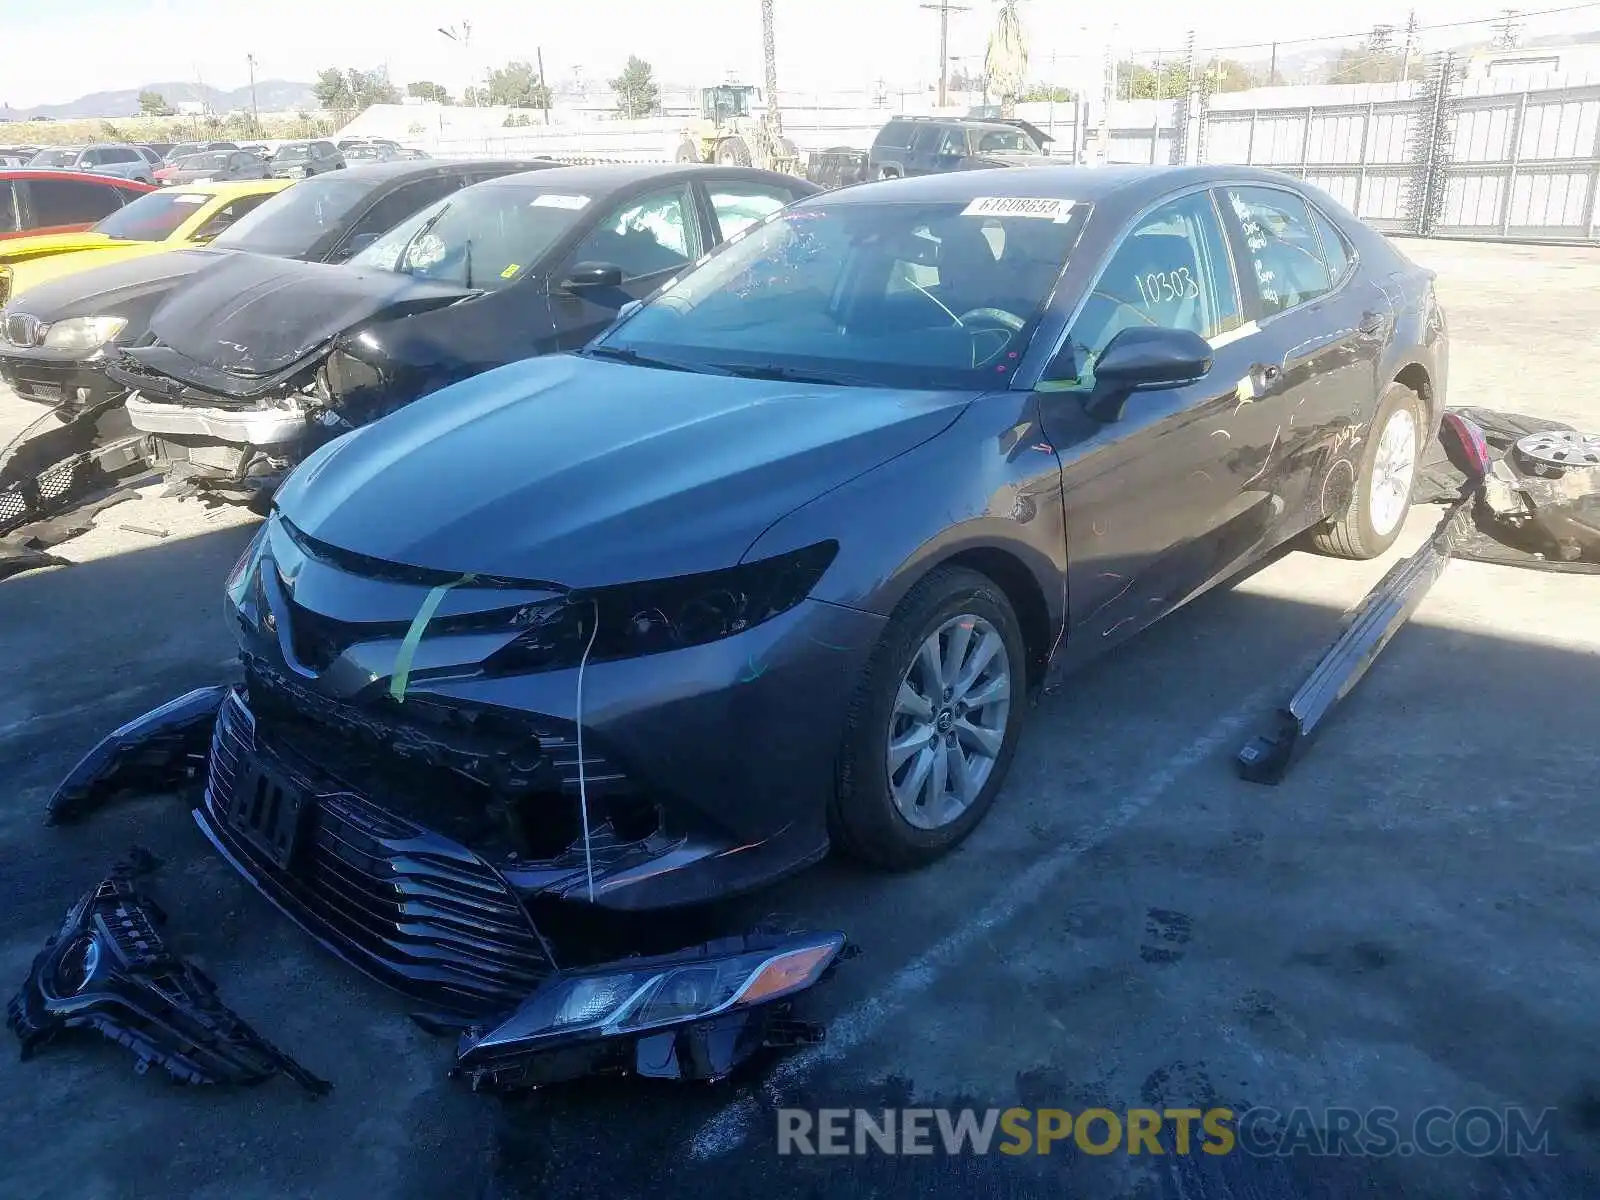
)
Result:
{"points": [[1522, 164]]}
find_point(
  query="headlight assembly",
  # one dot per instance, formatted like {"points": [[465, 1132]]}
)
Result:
{"points": [[83, 333], [622, 1005], [664, 614]]}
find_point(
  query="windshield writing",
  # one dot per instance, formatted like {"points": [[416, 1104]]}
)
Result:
{"points": [[894, 295]]}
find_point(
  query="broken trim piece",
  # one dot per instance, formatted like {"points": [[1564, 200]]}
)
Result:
{"points": [[107, 969], [163, 750], [1266, 758]]}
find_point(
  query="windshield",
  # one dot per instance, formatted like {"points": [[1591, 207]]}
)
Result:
{"points": [[483, 237], [54, 158], [292, 154], [358, 152], [153, 217], [941, 295], [292, 221], [215, 161], [183, 150]]}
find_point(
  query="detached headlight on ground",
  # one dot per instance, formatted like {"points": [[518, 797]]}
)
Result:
{"points": [[693, 1015], [83, 333]]}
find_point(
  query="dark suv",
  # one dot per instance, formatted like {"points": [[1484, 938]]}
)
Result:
{"points": [[933, 145]]}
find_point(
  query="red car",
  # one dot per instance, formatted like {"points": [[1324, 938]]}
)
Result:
{"points": [[43, 201]]}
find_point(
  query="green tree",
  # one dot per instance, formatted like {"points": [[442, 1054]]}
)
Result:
{"points": [[637, 92], [351, 91], [1041, 93], [516, 120], [424, 89], [154, 104], [1363, 64], [517, 85]]}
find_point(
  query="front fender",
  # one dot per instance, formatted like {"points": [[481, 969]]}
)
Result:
{"points": [[988, 486]]}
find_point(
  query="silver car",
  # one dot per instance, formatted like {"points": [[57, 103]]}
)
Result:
{"points": [[105, 158]]}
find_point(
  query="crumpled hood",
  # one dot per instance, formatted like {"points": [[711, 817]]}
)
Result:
{"points": [[585, 473], [248, 314], [103, 288], [38, 245]]}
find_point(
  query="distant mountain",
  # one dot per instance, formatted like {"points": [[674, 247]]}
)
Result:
{"points": [[272, 95]]}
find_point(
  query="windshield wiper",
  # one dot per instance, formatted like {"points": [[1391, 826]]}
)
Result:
{"points": [[634, 358], [468, 264], [789, 375]]}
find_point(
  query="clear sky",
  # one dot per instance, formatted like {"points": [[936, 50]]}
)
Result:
{"points": [[52, 52]]}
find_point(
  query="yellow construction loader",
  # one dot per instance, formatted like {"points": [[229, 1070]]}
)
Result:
{"points": [[726, 133]]}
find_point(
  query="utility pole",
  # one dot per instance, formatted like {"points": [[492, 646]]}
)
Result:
{"points": [[544, 92], [1272, 68], [463, 38], [1507, 33], [255, 113], [944, 8], [1410, 47]]}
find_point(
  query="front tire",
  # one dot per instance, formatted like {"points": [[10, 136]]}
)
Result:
{"points": [[1385, 476], [933, 725], [732, 152]]}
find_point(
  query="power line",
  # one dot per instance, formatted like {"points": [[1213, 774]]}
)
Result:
{"points": [[1363, 33]]}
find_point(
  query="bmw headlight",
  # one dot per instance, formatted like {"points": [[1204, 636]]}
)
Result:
{"points": [[663, 614], [83, 333], [656, 994]]}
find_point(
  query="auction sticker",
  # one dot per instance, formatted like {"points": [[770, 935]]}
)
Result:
{"points": [[1045, 209], [549, 200]]}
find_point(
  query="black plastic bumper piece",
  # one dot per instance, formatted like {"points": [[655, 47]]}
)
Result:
{"points": [[1266, 758], [163, 750], [108, 970]]}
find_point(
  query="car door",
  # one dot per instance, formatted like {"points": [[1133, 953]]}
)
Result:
{"points": [[650, 235], [1147, 496], [1321, 334]]}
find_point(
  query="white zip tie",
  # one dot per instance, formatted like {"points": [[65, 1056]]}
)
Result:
{"points": [[583, 790]]}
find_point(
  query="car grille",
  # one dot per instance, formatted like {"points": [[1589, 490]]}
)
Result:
{"points": [[407, 905], [33, 499]]}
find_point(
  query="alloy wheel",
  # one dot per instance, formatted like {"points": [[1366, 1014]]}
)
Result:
{"points": [[949, 721], [1394, 469]]}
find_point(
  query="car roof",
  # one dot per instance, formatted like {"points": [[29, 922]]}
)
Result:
{"points": [[233, 187], [82, 176], [611, 176], [1131, 185], [401, 169]]}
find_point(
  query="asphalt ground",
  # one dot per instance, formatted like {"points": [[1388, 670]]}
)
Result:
{"points": [[1409, 922]]}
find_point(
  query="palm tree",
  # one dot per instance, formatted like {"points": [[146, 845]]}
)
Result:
{"points": [[1007, 60]]}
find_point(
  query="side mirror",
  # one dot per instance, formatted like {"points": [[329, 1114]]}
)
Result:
{"points": [[1140, 358], [592, 275]]}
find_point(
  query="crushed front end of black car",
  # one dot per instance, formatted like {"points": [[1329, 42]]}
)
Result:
{"points": [[108, 970]]}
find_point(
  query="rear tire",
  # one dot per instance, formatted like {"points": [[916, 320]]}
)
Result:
{"points": [[929, 736], [688, 152], [1385, 476]]}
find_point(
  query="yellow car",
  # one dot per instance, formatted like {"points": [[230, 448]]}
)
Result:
{"points": [[174, 218]]}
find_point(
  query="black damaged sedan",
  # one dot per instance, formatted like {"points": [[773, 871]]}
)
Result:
{"points": [[775, 563]]}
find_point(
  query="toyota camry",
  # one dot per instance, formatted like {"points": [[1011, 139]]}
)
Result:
{"points": [[775, 563]]}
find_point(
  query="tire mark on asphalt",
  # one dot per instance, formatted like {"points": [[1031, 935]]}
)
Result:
{"points": [[727, 1130]]}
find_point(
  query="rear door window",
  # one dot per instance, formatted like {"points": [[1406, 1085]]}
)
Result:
{"points": [[70, 201], [896, 135], [740, 205], [1336, 250], [1281, 247]]}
